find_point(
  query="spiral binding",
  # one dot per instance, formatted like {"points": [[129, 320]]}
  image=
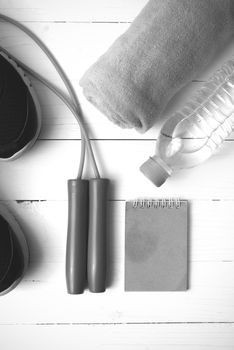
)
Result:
{"points": [[157, 203]]}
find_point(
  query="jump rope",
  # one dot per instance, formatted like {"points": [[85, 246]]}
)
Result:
{"points": [[87, 199]]}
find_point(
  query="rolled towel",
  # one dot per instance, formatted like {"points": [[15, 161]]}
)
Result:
{"points": [[164, 48]]}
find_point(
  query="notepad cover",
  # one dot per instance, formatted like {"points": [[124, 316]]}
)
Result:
{"points": [[156, 247]]}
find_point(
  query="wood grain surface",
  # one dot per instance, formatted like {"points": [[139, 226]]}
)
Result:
{"points": [[39, 314]]}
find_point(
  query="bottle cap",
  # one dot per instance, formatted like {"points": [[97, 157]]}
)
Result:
{"points": [[156, 170]]}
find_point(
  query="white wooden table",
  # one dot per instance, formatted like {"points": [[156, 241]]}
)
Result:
{"points": [[39, 314]]}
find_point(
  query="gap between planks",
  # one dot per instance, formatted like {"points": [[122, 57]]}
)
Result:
{"points": [[21, 201], [114, 323], [78, 22], [105, 139]]}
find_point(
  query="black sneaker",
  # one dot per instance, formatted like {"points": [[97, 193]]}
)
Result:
{"points": [[20, 123], [14, 254], [20, 115]]}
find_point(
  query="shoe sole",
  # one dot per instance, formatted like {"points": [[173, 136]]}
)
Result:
{"points": [[28, 83], [22, 242]]}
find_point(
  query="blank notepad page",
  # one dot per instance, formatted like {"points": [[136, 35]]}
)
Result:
{"points": [[156, 245]]}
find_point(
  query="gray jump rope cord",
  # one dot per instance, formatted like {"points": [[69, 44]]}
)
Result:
{"points": [[62, 74], [49, 85], [87, 199]]}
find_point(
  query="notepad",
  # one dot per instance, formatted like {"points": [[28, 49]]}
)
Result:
{"points": [[156, 245]]}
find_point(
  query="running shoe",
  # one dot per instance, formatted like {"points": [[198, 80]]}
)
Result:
{"points": [[20, 115], [14, 253]]}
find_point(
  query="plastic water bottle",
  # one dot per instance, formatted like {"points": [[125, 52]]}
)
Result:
{"points": [[192, 135]]}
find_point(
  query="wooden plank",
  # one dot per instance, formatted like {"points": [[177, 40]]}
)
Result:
{"points": [[77, 46], [42, 173], [73, 10], [59, 123], [41, 297], [121, 337], [210, 222]]}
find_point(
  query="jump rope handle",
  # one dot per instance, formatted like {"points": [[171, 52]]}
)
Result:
{"points": [[96, 269], [76, 254]]}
